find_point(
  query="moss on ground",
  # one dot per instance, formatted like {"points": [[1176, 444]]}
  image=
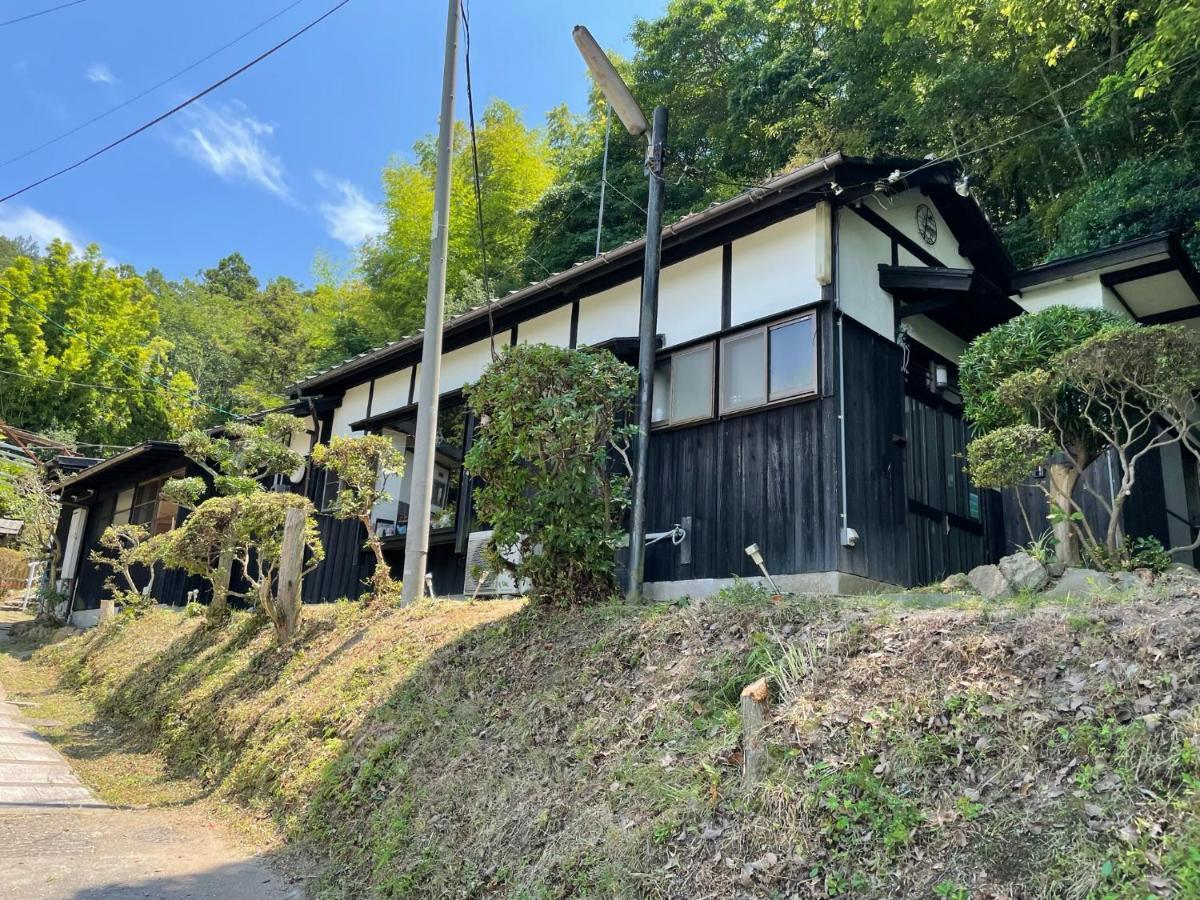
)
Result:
{"points": [[486, 749]]}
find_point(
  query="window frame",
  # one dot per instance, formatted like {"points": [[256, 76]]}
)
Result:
{"points": [[708, 347], [765, 330], [810, 315]]}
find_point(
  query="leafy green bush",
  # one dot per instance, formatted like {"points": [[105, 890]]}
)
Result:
{"points": [[550, 439], [1008, 455], [1140, 197]]}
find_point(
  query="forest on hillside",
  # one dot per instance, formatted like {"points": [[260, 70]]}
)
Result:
{"points": [[1077, 123]]}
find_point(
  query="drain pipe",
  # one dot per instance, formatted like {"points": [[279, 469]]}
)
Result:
{"points": [[847, 536]]}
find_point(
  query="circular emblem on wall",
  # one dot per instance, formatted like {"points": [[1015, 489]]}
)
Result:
{"points": [[926, 224]]}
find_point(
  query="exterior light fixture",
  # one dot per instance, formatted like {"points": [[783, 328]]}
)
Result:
{"points": [[610, 82], [941, 377], [756, 556], [962, 186]]}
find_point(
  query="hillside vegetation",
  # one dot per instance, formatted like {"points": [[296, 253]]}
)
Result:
{"points": [[487, 749]]}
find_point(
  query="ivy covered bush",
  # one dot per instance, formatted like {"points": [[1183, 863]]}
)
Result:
{"points": [[551, 450]]}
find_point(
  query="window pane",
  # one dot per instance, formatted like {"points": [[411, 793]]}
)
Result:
{"points": [[692, 385], [661, 399], [793, 359], [744, 371]]}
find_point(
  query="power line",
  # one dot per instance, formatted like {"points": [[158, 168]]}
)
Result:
{"points": [[43, 12], [82, 384], [151, 89], [66, 329], [188, 102], [487, 290]]}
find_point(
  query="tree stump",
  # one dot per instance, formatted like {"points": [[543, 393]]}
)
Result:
{"points": [[754, 709]]}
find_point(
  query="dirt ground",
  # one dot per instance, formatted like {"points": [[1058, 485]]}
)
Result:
{"points": [[58, 841]]}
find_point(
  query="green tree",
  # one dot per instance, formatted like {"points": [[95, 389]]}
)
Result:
{"points": [[363, 466], [1008, 377], [549, 439], [515, 170], [80, 350]]}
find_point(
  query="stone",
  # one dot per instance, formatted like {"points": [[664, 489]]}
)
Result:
{"points": [[1127, 581], [1023, 572], [1079, 582], [1055, 568], [1146, 576], [990, 582], [956, 582]]}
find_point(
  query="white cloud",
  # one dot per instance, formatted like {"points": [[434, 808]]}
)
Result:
{"points": [[25, 221], [231, 142], [99, 73], [352, 218]]}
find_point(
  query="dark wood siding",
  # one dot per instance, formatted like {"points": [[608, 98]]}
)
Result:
{"points": [[767, 477], [875, 456]]}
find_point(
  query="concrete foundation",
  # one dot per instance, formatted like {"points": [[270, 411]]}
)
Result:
{"points": [[801, 583]]}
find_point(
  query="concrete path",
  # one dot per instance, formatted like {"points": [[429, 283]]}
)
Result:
{"points": [[58, 842], [33, 776]]}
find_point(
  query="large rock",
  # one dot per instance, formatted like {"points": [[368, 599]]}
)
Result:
{"points": [[1080, 583], [990, 582], [1023, 572], [956, 582], [1128, 581]]}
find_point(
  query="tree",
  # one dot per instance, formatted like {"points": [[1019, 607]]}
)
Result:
{"points": [[1005, 378], [515, 171], [80, 350], [124, 549], [249, 527], [362, 466], [549, 436], [1138, 389], [235, 459]]}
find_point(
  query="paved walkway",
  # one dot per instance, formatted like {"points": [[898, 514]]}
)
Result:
{"points": [[58, 842]]}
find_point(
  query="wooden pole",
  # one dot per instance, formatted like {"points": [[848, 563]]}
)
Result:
{"points": [[291, 571], [754, 709]]}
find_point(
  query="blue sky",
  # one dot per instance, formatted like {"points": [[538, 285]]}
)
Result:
{"points": [[284, 161]]}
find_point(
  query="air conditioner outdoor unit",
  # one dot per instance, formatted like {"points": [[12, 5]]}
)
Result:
{"points": [[492, 583]]}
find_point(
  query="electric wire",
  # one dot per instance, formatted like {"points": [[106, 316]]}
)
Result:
{"points": [[188, 102], [108, 112], [44, 12], [83, 384], [487, 290]]}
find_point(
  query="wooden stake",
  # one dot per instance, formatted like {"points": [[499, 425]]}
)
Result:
{"points": [[291, 572], [754, 709]]}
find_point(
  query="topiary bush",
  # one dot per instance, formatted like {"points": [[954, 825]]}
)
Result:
{"points": [[551, 450]]}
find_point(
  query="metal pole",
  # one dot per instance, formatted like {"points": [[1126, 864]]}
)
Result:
{"points": [[603, 177], [416, 547], [647, 345]]}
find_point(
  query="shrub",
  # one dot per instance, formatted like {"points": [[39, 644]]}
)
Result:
{"points": [[363, 465], [551, 450]]}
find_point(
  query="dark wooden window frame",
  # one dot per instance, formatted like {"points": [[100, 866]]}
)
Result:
{"points": [[711, 349], [765, 330]]}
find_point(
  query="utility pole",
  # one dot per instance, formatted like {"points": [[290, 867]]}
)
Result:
{"points": [[647, 349], [620, 100], [416, 548]]}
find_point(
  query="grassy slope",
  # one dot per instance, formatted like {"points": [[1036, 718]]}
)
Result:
{"points": [[485, 750]]}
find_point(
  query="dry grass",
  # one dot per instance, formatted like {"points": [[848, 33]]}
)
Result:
{"points": [[469, 750]]}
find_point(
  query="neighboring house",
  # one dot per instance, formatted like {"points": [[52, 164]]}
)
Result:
{"points": [[805, 392]]}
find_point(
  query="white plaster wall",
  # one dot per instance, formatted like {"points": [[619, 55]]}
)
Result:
{"points": [[901, 213], [1084, 292], [861, 248], [689, 297], [936, 338], [391, 391], [609, 314], [466, 364], [775, 269], [553, 328], [353, 408], [302, 443]]}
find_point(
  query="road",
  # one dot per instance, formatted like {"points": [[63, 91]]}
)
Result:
{"points": [[58, 841]]}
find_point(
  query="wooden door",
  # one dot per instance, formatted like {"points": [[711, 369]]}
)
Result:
{"points": [[945, 512]]}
